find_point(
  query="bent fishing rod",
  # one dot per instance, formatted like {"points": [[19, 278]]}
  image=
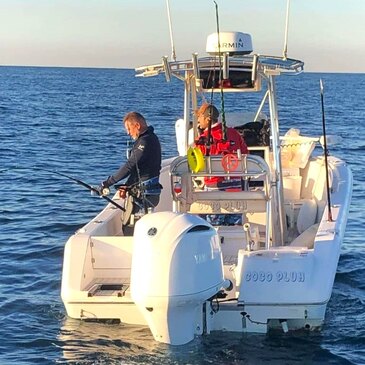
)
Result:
{"points": [[78, 181]]}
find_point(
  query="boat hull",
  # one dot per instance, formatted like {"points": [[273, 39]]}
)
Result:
{"points": [[284, 287]]}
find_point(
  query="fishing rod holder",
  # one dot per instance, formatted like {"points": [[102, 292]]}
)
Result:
{"points": [[167, 68], [226, 66], [196, 69]]}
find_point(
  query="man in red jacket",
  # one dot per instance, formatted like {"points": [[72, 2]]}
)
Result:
{"points": [[208, 114]]}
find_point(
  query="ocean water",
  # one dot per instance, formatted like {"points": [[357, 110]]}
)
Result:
{"points": [[69, 120]]}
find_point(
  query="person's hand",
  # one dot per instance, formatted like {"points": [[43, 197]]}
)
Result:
{"points": [[202, 140], [103, 189], [122, 190]]}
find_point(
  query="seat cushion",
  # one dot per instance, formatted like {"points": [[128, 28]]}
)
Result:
{"points": [[307, 215], [306, 239]]}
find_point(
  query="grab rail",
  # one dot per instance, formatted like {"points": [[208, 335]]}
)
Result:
{"points": [[249, 167]]}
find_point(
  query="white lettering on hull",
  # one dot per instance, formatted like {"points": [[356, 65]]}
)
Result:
{"points": [[278, 276]]}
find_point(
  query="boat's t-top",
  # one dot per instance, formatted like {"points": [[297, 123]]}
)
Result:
{"points": [[230, 67], [231, 60]]}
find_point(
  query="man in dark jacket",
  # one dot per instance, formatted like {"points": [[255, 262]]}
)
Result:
{"points": [[143, 166]]}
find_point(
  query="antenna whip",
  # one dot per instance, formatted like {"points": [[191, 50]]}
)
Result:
{"points": [[325, 153], [285, 51], [173, 53], [224, 127]]}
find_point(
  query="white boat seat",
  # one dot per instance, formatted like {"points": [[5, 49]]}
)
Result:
{"points": [[307, 215], [112, 252], [296, 149], [306, 239]]}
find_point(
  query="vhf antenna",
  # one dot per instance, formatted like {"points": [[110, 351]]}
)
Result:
{"points": [[285, 51], [173, 53]]}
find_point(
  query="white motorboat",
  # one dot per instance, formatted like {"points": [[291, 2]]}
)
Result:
{"points": [[249, 260]]}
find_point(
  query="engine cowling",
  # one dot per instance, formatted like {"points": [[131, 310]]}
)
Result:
{"points": [[177, 266]]}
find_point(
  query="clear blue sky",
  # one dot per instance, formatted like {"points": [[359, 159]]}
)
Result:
{"points": [[329, 35]]}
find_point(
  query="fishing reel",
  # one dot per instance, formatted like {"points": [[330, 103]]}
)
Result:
{"points": [[99, 191], [134, 191], [105, 191]]}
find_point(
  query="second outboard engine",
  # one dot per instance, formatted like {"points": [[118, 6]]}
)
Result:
{"points": [[176, 266]]}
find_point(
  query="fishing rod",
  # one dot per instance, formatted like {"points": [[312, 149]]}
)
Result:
{"points": [[325, 152], [78, 181], [87, 186], [224, 127], [209, 133]]}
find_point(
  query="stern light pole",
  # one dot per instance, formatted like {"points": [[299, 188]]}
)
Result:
{"points": [[325, 152]]}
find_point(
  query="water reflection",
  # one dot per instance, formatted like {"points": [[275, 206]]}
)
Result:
{"points": [[112, 343], [93, 342]]}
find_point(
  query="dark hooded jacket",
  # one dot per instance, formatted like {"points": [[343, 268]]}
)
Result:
{"points": [[144, 161]]}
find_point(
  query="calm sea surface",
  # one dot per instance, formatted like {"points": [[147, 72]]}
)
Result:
{"points": [[69, 120]]}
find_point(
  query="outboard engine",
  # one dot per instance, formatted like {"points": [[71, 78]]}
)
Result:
{"points": [[177, 265]]}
